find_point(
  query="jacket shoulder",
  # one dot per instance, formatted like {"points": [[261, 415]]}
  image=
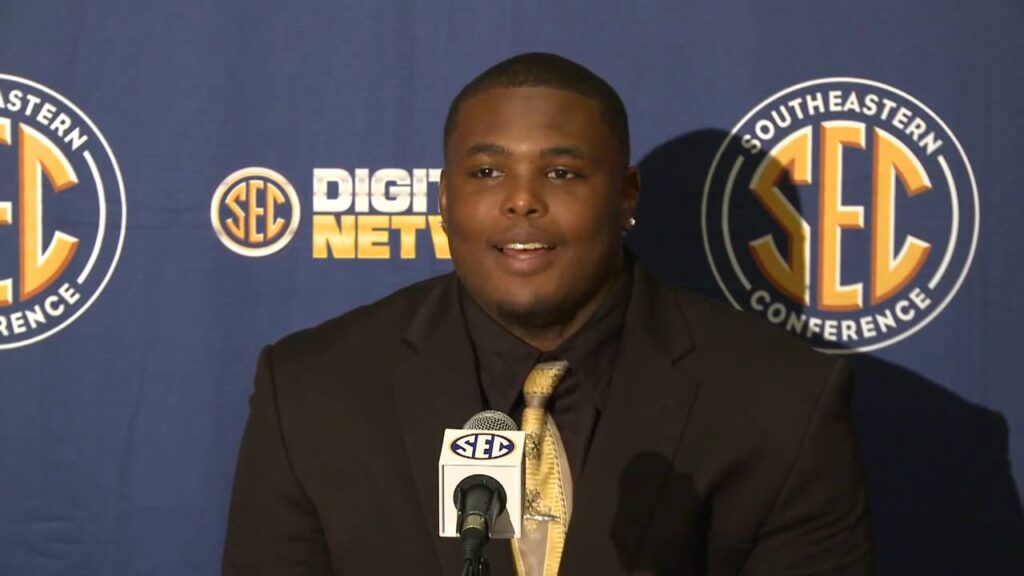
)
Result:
{"points": [[723, 330], [755, 375], [369, 326]]}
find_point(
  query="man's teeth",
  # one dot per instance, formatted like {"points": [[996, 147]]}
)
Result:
{"points": [[525, 246]]}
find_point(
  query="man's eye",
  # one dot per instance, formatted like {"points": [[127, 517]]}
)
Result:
{"points": [[561, 174], [484, 173]]}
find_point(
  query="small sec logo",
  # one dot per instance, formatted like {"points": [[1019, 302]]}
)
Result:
{"points": [[483, 446], [255, 212]]}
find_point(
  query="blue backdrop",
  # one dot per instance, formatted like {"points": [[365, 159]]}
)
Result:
{"points": [[123, 394]]}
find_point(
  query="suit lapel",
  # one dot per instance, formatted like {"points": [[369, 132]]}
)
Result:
{"points": [[642, 421], [436, 388]]}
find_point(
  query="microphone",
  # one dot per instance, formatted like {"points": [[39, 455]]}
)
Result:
{"points": [[480, 476]]}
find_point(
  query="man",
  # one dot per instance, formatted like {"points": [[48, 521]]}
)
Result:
{"points": [[681, 437]]}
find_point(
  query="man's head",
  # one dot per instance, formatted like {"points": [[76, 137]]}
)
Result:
{"points": [[537, 191], [542, 70]]}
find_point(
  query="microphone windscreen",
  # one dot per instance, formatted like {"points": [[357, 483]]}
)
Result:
{"points": [[491, 420]]}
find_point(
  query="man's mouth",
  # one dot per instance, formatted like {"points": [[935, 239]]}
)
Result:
{"points": [[525, 258], [524, 247]]}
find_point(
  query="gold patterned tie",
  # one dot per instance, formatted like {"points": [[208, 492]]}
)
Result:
{"points": [[545, 509]]}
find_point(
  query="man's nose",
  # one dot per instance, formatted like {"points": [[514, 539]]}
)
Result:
{"points": [[524, 198]]}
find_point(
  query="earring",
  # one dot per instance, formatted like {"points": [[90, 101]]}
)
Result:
{"points": [[630, 224]]}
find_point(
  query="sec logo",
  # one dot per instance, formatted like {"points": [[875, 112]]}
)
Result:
{"points": [[62, 212], [255, 212], [843, 210], [482, 446]]}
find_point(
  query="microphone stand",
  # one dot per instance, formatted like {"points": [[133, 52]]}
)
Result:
{"points": [[473, 538], [480, 500], [481, 569]]}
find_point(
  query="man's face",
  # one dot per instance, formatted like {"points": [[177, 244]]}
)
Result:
{"points": [[535, 196]]}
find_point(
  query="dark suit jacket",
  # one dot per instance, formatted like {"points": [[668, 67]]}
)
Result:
{"points": [[725, 448]]}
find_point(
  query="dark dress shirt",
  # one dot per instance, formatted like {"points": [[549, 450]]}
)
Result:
{"points": [[503, 362]]}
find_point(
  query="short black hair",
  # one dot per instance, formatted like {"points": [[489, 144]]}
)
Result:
{"points": [[544, 70]]}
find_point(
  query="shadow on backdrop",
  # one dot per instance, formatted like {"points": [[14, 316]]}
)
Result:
{"points": [[943, 500]]}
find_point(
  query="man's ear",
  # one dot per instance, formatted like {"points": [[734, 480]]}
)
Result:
{"points": [[442, 196], [630, 195]]}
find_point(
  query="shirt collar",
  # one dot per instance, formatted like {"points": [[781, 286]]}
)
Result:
{"points": [[587, 350]]}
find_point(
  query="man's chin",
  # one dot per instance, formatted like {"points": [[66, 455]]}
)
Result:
{"points": [[532, 314]]}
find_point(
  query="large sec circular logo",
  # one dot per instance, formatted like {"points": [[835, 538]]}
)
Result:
{"points": [[62, 212], [842, 210]]}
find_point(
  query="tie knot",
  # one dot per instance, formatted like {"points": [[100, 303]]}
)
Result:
{"points": [[541, 382]]}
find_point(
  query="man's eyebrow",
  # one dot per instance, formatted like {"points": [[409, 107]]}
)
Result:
{"points": [[560, 151], [487, 149]]}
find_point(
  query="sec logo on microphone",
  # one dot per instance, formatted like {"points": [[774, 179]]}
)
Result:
{"points": [[482, 446]]}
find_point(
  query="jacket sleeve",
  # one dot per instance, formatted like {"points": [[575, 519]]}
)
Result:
{"points": [[273, 528], [819, 523]]}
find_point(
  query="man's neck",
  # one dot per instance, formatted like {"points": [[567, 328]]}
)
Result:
{"points": [[550, 336]]}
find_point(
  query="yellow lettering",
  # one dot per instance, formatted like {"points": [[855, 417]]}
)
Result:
{"points": [[407, 226], [790, 275], [254, 236], [6, 285], [890, 273], [439, 237], [834, 216], [337, 235], [237, 225], [372, 238], [273, 224], [368, 236], [37, 155]]}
